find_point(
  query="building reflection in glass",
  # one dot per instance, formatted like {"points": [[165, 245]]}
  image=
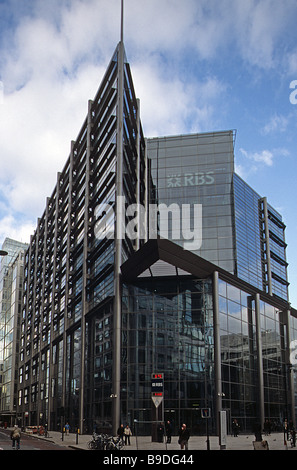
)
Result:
{"points": [[168, 327]]}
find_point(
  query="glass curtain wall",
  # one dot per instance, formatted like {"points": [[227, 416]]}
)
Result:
{"points": [[239, 358], [248, 239], [168, 328], [260, 241], [292, 364], [197, 169]]}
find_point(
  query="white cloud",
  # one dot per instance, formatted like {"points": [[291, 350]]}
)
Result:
{"points": [[56, 53], [170, 105], [277, 123], [11, 227], [37, 124], [265, 156], [291, 59]]}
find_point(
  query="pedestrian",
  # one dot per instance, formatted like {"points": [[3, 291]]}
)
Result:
{"points": [[168, 432], [267, 427], [235, 427], [286, 430], [67, 429], [258, 432], [184, 436], [127, 434], [121, 432], [15, 437], [160, 432]]}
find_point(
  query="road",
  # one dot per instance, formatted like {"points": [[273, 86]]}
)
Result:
{"points": [[27, 443]]}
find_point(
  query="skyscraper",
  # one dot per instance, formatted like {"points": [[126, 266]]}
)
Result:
{"points": [[11, 296], [72, 272]]}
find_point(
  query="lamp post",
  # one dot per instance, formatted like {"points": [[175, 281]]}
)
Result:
{"points": [[3, 253]]}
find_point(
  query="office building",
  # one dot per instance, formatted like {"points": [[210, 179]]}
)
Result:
{"points": [[104, 307], [241, 232], [72, 273], [11, 298]]}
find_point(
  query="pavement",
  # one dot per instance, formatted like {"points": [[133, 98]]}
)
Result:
{"points": [[196, 443]]}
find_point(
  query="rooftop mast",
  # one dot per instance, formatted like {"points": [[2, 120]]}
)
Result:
{"points": [[122, 21]]}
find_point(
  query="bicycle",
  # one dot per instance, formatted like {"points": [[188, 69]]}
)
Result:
{"points": [[105, 442], [114, 443], [97, 442]]}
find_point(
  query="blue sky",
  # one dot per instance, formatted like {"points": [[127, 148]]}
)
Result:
{"points": [[197, 65]]}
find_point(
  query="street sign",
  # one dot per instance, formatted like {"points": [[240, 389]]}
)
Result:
{"points": [[157, 401], [205, 412], [157, 388]]}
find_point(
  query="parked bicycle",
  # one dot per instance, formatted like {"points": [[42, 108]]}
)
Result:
{"points": [[97, 442], [105, 442], [114, 443]]}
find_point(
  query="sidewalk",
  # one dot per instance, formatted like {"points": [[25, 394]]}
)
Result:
{"points": [[242, 442]]}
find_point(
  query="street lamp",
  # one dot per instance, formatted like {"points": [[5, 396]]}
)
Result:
{"points": [[3, 253]]}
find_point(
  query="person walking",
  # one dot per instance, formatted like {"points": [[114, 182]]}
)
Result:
{"points": [[15, 437], [127, 434], [184, 436], [121, 432]]}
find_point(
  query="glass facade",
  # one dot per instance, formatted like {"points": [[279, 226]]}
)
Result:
{"points": [[241, 232], [243, 365], [260, 241], [293, 359], [11, 289], [167, 327], [197, 169], [248, 247]]}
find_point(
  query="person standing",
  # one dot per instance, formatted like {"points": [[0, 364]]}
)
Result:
{"points": [[160, 432], [16, 437], [184, 436], [121, 432], [168, 431], [235, 427], [286, 430], [127, 434]]}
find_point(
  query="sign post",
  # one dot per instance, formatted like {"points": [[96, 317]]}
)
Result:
{"points": [[157, 388], [157, 394], [205, 413], [223, 429]]}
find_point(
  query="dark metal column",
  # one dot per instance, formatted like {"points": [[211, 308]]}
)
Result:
{"points": [[259, 360], [217, 351], [117, 313]]}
